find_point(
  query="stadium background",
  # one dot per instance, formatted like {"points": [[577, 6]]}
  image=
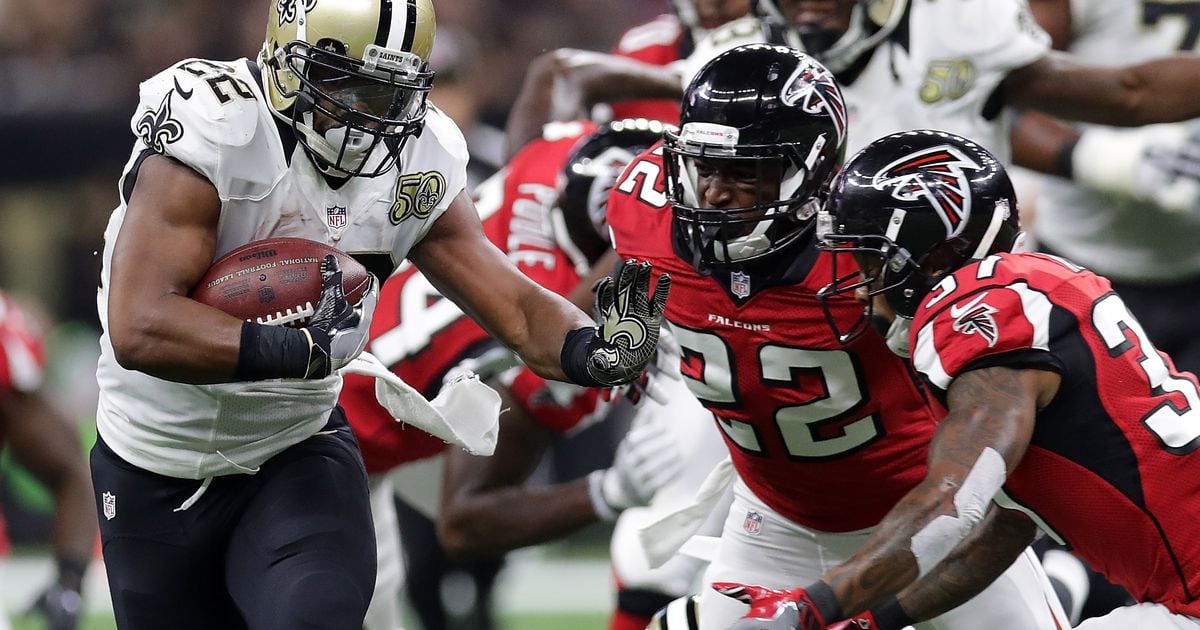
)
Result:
{"points": [[69, 71]]}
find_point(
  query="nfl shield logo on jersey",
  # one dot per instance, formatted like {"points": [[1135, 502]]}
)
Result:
{"points": [[335, 216], [110, 505], [753, 523], [739, 283]]}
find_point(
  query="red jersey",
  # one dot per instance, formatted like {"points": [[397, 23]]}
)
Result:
{"points": [[660, 41], [22, 350], [22, 365], [830, 436], [421, 335], [1111, 469]]}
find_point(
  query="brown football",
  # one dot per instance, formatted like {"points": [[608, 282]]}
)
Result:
{"points": [[276, 281]]}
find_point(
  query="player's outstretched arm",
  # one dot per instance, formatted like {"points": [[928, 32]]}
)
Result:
{"points": [[555, 339], [1156, 91], [564, 84], [985, 434]]}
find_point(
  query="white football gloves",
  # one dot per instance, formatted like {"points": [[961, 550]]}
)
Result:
{"points": [[338, 330], [1158, 164], [647, 459]]}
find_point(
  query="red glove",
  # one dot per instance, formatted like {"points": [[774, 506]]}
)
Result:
{"points": [[861, 621], [772, 609]]}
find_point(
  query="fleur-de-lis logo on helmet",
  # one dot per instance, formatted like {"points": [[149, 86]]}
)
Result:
{"points": [[157, 129], [286, 9]]}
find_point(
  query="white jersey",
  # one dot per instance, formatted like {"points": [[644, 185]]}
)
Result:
{"points": [[213, 117], [1123, 239], [937, 70]]}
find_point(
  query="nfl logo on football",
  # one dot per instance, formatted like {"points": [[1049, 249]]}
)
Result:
{"points": [[753, 523], [739, 283], [110, 505], [335, 216]]}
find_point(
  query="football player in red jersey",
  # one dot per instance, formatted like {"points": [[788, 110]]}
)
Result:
{"points": [[667, 39], [46, 442], [424, 338], [1061, 411], [824, 438]]}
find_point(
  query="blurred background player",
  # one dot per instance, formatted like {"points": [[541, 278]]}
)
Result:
{"points": [[902, 65], [823, 438], [43, 440], [1061, 411], [425, 339]]}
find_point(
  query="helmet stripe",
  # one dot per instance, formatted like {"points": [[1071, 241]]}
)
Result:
{"points": [[385, 23], [410, 27]]}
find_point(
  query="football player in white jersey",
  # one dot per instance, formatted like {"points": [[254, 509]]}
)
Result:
{"points": [[902, 64], [232, 490], [1137, 218]]}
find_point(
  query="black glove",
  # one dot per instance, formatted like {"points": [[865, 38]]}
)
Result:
{"points": [[628, 320], [338, 330], [60, 606]]}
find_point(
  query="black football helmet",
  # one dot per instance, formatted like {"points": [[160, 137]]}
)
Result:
{"points": [[913, 207], [771, 110], [595, 163], [842, 33]]}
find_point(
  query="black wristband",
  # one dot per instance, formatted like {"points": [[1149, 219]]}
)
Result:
{"points": [[271, 352], [825, 601], [891, 616], [70, 572], [1064, 160], [574, 356]]}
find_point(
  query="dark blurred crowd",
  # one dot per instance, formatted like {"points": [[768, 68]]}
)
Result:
{"points": [[69, 71]]}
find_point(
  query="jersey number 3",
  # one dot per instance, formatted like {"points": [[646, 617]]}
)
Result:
{"points": [[1177, 427], [805, 429]]}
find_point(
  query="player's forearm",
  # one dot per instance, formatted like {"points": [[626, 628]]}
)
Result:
{"points": [[549, 319], [176, 338], [886, 564], [1157, 91], [508, 518], [982, 558]]}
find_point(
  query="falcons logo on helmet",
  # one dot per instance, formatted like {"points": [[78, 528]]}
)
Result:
{"points": [[937, 174], [812, 89], [975, 317]]}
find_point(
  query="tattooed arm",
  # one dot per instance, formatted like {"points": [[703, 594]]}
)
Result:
{"points": [[990, 408], [981, 558]]}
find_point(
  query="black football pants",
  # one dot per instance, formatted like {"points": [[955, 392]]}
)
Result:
{"points": [[291, 547]]}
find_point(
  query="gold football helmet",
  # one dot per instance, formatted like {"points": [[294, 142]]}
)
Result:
{"points": [[350, 75]]}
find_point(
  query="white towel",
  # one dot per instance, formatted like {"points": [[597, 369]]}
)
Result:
{"points": [[465, 413], [664, 538]]}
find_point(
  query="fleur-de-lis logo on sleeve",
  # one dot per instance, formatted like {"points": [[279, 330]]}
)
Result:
{"points": [[157, 129]]}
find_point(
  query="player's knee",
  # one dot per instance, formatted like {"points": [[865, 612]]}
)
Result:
{"points": [[325, 601]]}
